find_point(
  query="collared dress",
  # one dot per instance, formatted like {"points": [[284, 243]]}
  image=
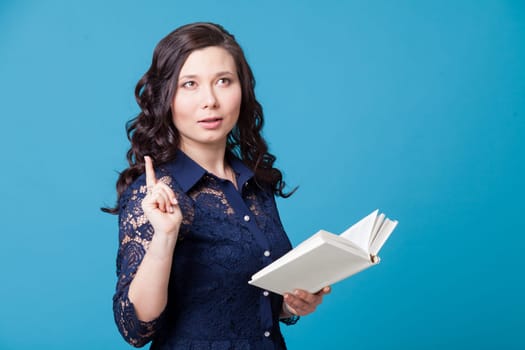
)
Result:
{"points": [[227, 234]]}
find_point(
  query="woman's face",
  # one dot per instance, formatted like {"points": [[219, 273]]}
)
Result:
{"points": [[208, 99]]}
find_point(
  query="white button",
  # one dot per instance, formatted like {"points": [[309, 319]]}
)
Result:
{"points": [[266, 334], [265, 293], [246, 218], [266, 253]]}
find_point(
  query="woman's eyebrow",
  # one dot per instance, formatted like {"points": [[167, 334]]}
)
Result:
{"points": [[226, 72], [194, 76], [187, 76]]}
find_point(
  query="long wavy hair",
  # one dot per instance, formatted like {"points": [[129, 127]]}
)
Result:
{"points": [[153, 133]]}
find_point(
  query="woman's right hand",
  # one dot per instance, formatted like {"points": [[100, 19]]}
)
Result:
{"points": [[160, 205]]}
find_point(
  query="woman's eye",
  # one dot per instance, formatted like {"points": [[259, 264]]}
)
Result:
{"points": [[189, 84], [223, 81]]}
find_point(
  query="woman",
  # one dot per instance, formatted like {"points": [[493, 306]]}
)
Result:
{"points": [[197, 214]]}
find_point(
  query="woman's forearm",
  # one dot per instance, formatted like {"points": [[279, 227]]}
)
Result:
{"points": [[149, 289]]}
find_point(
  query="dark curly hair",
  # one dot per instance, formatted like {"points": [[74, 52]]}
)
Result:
{"points": [[153, 133]]}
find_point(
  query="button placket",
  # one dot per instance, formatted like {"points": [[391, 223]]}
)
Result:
{"points": [[250, 222], [242, 203]]}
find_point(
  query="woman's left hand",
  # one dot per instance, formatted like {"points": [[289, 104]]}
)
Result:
{"points": [[302, 303]]}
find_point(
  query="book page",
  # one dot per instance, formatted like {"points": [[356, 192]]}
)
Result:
{"points": [[360, 232], [377, 226], [382, 235]]}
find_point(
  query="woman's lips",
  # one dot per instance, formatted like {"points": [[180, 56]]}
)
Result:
{"points": [[210, 123]]}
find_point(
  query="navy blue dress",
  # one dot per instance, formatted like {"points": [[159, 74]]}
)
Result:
{"points": [[226, 236]]}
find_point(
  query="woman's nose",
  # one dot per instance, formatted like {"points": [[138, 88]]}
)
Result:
{"points": [[209, 99]]}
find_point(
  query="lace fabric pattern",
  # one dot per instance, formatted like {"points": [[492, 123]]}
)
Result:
{"points": [[226, 236]]}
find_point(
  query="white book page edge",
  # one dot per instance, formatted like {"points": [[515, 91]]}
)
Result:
{"points": [[377, 227], [383, 234]]}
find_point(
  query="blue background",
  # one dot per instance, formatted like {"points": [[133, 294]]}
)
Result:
{"points": [[413, 107]]}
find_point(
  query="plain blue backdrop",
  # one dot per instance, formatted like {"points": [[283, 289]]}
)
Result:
{"points": [[413, 107]]}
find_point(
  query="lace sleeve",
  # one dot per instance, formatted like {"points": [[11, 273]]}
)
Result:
{"points": [[134, 236], [135, 233]]}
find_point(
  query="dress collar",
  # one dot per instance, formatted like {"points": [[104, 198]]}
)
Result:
{"points": [[187, 172]]}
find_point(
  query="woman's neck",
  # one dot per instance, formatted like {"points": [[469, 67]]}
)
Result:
{"points": [[210, 157]]}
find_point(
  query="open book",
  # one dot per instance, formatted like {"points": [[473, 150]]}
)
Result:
{"points": [[326, 258]]}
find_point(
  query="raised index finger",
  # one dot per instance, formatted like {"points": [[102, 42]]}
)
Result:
{"points": [[151, 180]]}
